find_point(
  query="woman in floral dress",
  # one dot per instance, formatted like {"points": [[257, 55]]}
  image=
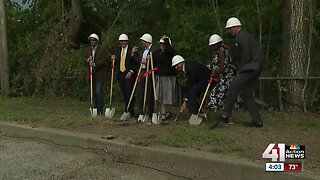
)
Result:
{"points": [[221, 66]]}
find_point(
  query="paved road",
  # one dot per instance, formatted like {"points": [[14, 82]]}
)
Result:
{"points": [[34, 159]]}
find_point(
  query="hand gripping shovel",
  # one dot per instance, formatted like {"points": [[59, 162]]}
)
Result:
{"points": [[109, 113], [196, 119], [93, 111], [126, 115], [155, 116], [143, 117]]}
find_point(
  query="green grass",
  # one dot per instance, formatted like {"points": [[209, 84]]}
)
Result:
{"points": [[193, 137], [181, 135], [36, 109]]}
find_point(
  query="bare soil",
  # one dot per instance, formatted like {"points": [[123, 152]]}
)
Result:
{"points": [[254, 140]]}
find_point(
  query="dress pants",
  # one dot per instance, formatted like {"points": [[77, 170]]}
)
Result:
{"points": [[150, 96], [126, 86], [243, 85]]}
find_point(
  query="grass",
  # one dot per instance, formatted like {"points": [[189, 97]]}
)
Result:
{"points": [[193, 137], [37, 109], [280, 127]]}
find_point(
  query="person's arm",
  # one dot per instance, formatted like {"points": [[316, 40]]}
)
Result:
{"points": [[221, 59]]}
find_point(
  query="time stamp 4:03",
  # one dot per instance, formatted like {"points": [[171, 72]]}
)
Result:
{"points": [[274, 167]]}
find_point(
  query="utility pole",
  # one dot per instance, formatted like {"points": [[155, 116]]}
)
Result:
{"points": [[4, 70]]}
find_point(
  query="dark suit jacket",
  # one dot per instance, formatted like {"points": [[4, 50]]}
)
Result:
{"points": [[138, 57], [100, 59], [249, 48], [130, 63], [196, 74]]}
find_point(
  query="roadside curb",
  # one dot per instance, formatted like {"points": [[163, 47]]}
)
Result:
{"points": [[199, 159]]}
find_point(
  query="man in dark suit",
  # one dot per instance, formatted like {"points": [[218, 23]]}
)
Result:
{"points": [[96, 57], [125, 68], [197, 81], [245, 82], [148, 47]]}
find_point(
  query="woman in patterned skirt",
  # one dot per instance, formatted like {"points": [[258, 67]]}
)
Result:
{"points": [[166, 76], [221, 66]]}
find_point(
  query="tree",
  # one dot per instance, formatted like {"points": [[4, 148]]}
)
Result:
{"points": [[295, 42], [3, 51]]}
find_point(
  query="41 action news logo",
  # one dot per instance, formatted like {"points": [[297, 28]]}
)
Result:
{"points": [[280, 152]]}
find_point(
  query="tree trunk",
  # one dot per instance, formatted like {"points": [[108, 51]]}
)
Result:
{"points": [[73, 21], [294, 49], [5, 88]]}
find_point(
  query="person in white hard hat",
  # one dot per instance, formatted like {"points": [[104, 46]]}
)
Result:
{"points": [[96, 57], [146, 41], [166, 76], [197, 81], [222, 67], [245, 82], [125, 67]]}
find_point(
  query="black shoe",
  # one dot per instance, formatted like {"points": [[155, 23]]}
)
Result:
{"points": [[222, 118], [257, 124]]}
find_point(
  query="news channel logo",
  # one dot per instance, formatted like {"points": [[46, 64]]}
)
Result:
{"points": [[279, 152]]}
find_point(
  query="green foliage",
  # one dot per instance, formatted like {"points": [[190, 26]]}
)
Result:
{"points": [[42, 62]]}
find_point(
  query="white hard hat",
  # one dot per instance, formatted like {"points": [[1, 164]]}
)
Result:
{"points": [[232, 22], [214, 39], [94, 36], [123, 37], [146, 37], [177, 59], [162, 41]]}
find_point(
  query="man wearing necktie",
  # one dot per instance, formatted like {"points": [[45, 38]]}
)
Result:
{"points": [[148, 47], [125, 67], [96, 57]]}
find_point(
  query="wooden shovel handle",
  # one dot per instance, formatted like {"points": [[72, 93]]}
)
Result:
{"points": [[153, 79], [145, 87], [111, 82], [134, 87], [204, 96]]}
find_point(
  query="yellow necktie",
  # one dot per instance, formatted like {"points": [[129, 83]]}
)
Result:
{"points": [[122, 61]]}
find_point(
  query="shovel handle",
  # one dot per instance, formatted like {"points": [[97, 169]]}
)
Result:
{"points": [[134, 87], [145, 87], [153, 79], [91, 89], [111, 82], [204, 96]]}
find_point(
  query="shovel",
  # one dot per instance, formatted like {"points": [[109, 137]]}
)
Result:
{"points": [[176, 118], [109, 113], [155, 116], [195, 119], [126, 115], [93, 111], [144, 117]]}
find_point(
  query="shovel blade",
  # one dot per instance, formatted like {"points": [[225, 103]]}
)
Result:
{"points": [[112, 112], [145, 118], [155, 118], [140, 118], [125, 116], [109, 113], [195, 120], [93, 112]]}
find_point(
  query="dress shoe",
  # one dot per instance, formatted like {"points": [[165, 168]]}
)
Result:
{"points": [[257, 124], [221, 118]]}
